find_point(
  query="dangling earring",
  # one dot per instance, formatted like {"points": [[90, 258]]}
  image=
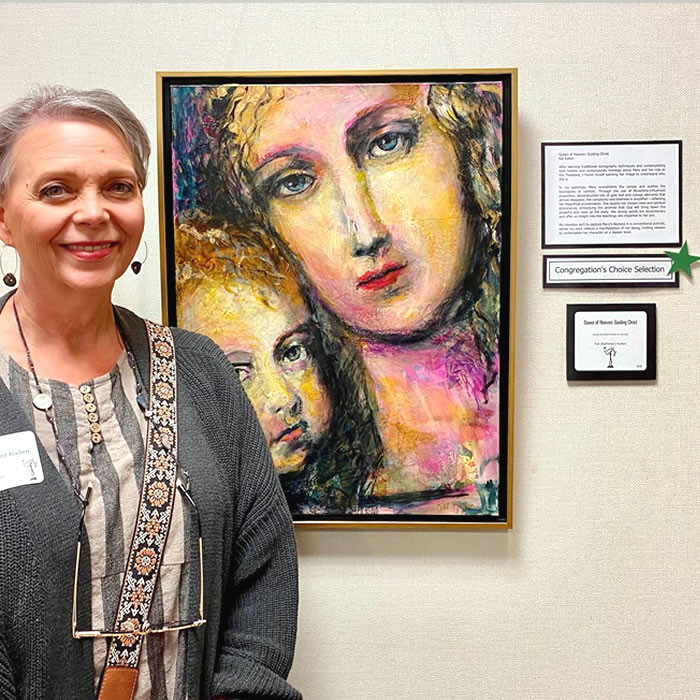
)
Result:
{"points": [[10, 278], [136, 265]]}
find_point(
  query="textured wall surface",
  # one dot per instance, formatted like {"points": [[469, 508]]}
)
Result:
{"points": [[594, 592]]}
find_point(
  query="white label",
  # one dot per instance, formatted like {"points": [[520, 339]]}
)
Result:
{"points": [[610, 341], [608, 270], [20, 463], [612, 194]]}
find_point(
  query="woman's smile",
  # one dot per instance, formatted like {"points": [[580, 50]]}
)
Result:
{"points": [[90, 251]]}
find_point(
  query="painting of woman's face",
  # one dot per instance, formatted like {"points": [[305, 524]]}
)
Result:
{"points": [[362, 184], [268, 341], [363, 224]]}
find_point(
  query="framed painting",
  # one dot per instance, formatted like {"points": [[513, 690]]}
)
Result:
{"points": [[349, 243]]}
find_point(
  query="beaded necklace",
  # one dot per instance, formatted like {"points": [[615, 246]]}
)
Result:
{"points": [[44, 403]]}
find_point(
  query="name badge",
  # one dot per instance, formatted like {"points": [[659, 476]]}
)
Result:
{"points": [[20, 463]]}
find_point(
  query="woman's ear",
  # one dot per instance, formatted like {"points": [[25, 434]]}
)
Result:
{"points": [[5, 235]]}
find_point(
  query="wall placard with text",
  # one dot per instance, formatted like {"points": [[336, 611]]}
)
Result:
{"points": [[610, 341], [608, 271], [611, 194]]}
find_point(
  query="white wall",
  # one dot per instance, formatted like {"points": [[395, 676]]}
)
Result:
{"points": [[594, 592]]}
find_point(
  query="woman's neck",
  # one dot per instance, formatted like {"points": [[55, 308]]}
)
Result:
{"points": [[436, 344], [71, 338]]}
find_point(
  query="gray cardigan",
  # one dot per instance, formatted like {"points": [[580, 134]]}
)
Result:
{"points": [[246, 648]]}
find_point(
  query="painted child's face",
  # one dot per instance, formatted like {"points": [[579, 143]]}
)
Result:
{"points": [[362, 184], [269, 344]]}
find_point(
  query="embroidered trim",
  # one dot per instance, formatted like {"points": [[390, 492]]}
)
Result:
{"points": [[156, 504]]}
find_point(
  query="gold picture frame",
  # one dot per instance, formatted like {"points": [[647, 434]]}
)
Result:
{"points": [[349, 241]]}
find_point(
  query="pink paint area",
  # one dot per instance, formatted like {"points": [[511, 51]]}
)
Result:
{"points": [[451, 359], [189, 133], [438, 415]]}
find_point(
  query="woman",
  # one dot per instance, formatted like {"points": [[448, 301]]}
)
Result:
{"points": [[238, 289], [134, 441], [388, 195]]}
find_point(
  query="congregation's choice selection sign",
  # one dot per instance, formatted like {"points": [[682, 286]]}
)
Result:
{"points": [[625, 193], [611, 341], [608, 271]]}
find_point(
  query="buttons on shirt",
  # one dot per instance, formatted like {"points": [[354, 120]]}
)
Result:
{"points": [[92, 414]]}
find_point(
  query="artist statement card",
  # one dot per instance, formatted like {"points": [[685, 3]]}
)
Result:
{"points": [[625, 193]]}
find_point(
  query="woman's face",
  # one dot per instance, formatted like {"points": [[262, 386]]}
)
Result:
{"points": [[362, 184], [73, 207], [270, 346]]}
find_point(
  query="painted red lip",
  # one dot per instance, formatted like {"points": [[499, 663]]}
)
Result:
{"points": [[377, 279], [291, 434]]}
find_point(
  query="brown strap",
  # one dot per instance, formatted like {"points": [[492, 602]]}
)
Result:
{"points": [[118, 683]]}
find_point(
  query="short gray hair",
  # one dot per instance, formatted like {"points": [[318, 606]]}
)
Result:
{"points": [[54, 102]]}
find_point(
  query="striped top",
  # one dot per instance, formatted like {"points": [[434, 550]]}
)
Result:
{"points": [[115, 468]]}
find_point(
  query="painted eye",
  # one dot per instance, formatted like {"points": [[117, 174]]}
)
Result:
{"points": [[294, 353], [294, 184], [244, 372], [390, 143]]}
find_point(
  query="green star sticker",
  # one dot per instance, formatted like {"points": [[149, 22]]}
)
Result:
{"points": [[682, 260]]}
